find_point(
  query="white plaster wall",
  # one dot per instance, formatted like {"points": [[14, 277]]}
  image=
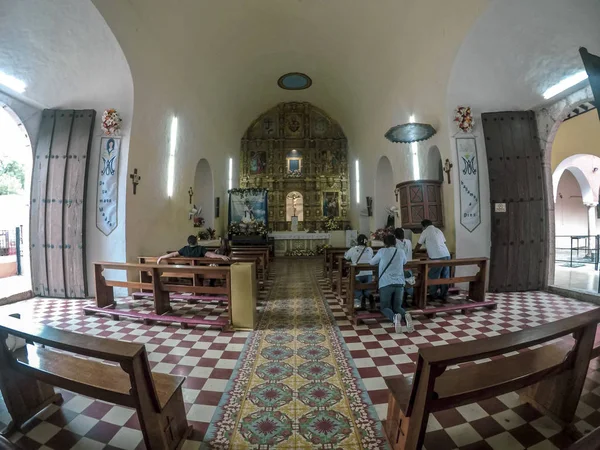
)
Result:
{"points": [[68, 57], [571, 215]]}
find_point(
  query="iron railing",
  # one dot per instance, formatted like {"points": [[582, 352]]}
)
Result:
{"points": [[578, 250], [11, 243]]}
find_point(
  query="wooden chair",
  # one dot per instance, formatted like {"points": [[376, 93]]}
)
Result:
{"points": [[554, 374], [28, 374]]}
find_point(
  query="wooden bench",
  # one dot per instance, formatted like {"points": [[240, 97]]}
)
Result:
{"points": [[476, 294], [331, 260], [192, 261], [160, 291], [553, 374], [28, 374]]}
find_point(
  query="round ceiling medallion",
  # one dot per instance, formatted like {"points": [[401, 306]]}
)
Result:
{"points": [[294, 81]]}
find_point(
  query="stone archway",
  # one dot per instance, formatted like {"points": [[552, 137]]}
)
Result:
{"points": [[548, 121]]}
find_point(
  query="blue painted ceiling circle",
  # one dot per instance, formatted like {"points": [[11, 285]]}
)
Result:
{"points": [[294, 81]]}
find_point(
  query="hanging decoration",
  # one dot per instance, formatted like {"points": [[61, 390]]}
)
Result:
{"points": [[464, 119], [108, 185], [111, 122], [468, 177], [410, 132]]}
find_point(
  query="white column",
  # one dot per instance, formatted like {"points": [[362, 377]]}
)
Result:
{"points": [[591, 218]]}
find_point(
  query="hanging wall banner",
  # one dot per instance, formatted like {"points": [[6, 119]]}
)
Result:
{"points": [[108, 184], [468, 177]]}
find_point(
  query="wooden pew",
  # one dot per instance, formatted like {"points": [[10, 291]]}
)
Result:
{"points": [[189, 261], [105, 299], [326, 257], [332, 255], [156, 397], [421, 268], [554, 373]]}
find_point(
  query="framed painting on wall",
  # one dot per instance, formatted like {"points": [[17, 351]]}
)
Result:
{"points": [[217, 207]]}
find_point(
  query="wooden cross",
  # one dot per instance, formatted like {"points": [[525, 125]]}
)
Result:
{"points": [[447, 168], [191, 194], [135, 180]]}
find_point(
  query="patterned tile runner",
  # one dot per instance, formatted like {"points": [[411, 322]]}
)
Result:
{"points": [[295, 385]]}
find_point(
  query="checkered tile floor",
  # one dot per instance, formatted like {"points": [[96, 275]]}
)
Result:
{"points": [[207, 359], [500, 423]]}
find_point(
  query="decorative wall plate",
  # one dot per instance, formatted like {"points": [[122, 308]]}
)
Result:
{"points": [[410, 132]]}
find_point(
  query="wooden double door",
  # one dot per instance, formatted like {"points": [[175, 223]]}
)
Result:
{"points": [[57, 216], [519, 253]]}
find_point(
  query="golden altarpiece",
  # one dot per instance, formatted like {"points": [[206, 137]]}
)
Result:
{"points": [[300, 155]]}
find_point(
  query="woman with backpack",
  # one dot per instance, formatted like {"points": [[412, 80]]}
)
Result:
{"points": [[361, 254], [391, 260]]}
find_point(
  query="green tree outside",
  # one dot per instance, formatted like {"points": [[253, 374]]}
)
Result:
{"points": [[12, 178]]}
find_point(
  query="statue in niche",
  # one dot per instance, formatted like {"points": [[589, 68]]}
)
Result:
{"points": [[331, 204]]}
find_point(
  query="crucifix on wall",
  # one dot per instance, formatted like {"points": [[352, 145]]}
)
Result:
{"points": [[135, 180], [447, 168], [191, 194]]}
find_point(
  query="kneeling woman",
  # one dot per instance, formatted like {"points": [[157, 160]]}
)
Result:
{"points": [[391, 262]]}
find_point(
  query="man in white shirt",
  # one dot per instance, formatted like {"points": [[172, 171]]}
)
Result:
{"points": [[435, 242], [361, 254]]}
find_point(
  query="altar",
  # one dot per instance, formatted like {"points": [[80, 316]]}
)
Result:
{"points": [[286, 241]]}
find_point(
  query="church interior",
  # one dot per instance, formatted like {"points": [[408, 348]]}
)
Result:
{"points": [[298, 224]]}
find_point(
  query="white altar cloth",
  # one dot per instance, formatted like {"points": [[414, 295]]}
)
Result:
{"points": [[285, 235], [286, 241]]}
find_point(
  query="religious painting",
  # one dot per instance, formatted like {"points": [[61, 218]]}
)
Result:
{"points": [[329, 161], [258, 162], [294, 163], [108, 171], [217, 207], [331, 204], [468, 179], [248, 205]]}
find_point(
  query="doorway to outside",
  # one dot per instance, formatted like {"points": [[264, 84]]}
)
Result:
{"points": [[15, 181]]}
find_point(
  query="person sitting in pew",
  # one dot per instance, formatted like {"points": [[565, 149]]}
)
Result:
{"points": [[391, 261], [435, 242], [193, 250], [361, 254]]}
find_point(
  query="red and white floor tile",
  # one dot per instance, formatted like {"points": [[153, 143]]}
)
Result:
{"points": [[205, 357], [500, 423]]}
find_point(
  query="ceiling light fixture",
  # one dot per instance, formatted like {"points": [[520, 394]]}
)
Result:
{"points": [[12, 83], [565, 84]]}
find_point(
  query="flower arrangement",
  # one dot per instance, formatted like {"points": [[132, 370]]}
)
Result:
{"points": [[379, 234], [203, 235], [331, 224], [300, 252], [464, 119], [321, 248], [111, 122], [199, 222], [294, 173], [256, 227]]}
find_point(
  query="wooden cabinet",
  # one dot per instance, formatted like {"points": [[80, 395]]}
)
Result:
{"points": [[421, 200]]}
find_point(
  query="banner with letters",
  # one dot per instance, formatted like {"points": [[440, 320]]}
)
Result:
{"points": [[468, 179], [108, 184]]}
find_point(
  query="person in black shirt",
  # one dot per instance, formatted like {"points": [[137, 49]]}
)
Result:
{"points": [[193, 250]]}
